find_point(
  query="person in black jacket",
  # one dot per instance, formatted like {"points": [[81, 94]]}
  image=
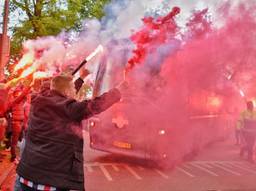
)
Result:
{"points": [[53, 154]]}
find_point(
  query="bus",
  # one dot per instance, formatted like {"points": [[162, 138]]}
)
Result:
{"points": [[139, 127]]}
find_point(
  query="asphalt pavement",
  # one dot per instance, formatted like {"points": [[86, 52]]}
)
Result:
{"points": [[217, 167]]}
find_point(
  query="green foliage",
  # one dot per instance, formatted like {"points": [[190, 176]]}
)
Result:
{"points": [[49, 17]]}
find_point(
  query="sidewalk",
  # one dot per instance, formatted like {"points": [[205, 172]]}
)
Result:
{"points": [[7, 172]]}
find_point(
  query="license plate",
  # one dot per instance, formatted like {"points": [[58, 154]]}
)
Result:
{"points": [[122, 145]]}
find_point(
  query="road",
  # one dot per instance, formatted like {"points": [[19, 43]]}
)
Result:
{"points": [[217, 168]]}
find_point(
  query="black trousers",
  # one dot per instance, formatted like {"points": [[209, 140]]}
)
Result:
{"points": [[249, 142], [26, 188]]}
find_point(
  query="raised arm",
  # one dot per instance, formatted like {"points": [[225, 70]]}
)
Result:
{"points": [[78, 111]]}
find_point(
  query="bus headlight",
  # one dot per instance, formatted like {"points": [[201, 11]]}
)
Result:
{"points": [[161, 132], [92, 123]]}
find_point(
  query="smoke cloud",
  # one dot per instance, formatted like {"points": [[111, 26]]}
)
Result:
{"points": [[186, 73], [185, 81]]}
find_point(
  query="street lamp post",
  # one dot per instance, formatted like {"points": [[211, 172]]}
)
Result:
{"points": [[5, 48]]}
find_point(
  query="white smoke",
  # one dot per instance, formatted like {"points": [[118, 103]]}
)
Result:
{"points": [[122, 18]]}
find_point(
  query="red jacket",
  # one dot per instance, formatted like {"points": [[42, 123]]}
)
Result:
{"points": [[16, 103], [18, 112]]}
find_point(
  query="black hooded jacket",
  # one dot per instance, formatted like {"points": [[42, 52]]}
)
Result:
{"points": [[53, 153]]}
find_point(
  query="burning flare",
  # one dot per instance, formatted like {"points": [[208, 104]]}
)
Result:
{"points": [[25, 60], [28, 72]]}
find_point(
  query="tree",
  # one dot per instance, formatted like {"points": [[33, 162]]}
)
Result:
{"points": [[49, 17]]}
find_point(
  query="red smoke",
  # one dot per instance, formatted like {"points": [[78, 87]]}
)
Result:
{"points": [[197, 81], [197, 73], [199, 24], [153, 32]]}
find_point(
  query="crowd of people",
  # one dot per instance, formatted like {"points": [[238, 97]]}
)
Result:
{"points": [[50, 117], [13, 115]]}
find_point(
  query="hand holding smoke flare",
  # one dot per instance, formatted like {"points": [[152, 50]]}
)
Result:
{"points": [[88, 58]]}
